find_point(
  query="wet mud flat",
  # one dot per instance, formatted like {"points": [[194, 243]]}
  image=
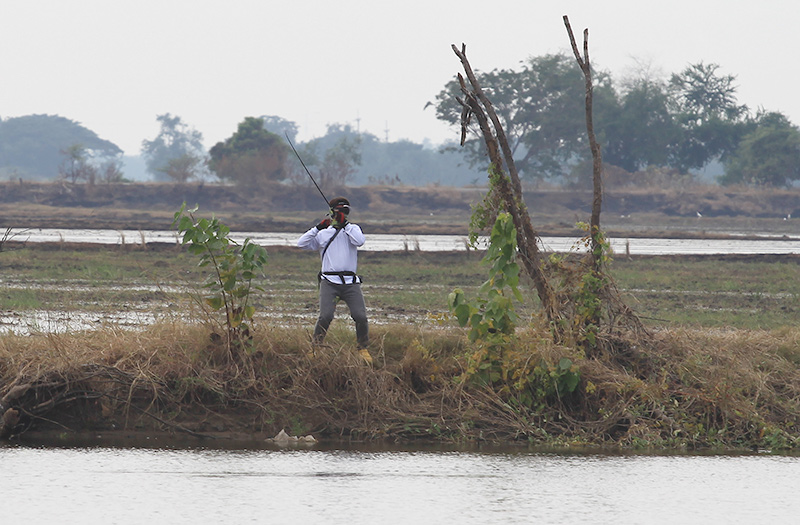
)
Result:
{"points": [[61, 287]]}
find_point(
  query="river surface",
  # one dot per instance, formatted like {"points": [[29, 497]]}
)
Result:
{"points": [[102, 485], [764, 244]]}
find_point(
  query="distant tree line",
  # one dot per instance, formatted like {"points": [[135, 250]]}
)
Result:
{"points": [[650, 128], [48, 146], [645, 124]]}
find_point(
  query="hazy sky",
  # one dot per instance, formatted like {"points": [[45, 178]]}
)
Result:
{"points": [[113, 65]]}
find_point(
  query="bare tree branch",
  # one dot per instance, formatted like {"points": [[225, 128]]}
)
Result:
{"points": [[507, 181], [597, 159]]}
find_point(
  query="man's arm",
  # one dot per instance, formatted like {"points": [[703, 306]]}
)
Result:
{"points": [[309, 241], [354, 234]]}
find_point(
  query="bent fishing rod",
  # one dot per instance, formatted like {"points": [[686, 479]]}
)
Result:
{"points": [[309, 173]]}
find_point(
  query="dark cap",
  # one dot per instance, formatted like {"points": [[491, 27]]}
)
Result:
{"points": [[340, 202]]}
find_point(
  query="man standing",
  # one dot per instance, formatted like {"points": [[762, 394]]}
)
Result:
{"points": [[337, 241]]}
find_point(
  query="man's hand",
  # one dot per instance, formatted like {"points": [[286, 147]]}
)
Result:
{"points": [[324, 223], [339, 219]]}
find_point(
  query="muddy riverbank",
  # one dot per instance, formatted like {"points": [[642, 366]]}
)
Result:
{"points": [[670, 392]]}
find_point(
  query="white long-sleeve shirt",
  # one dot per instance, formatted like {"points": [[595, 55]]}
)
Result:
{"points": [[342, 256]]}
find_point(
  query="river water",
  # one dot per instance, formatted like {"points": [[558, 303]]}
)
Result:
{"points": [[764, 244], [362, 486]]}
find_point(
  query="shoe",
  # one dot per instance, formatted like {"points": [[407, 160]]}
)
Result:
{"points": [[364, 353]]}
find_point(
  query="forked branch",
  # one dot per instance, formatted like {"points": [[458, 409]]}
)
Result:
{"points": [[597, 158]]}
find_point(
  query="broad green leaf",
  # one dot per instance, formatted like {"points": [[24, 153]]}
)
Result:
{"points": [[185, 223], [215, 302], [571, 380], [462, 313]]}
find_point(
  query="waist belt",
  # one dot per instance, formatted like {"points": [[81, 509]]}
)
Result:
{"points": [[342, 275]]}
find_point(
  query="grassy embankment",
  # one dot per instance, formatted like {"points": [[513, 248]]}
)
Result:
{"points": [[720, 368]]}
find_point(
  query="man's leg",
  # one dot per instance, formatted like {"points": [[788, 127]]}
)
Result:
{"points": [[327, 307], [358, 311]]}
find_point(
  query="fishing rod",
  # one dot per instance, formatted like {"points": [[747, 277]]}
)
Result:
{"points": [[309, 173]]}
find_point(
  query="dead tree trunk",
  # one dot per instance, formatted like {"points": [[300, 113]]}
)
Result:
{"points": [[507, 183], [597, 159], [575, 295]]}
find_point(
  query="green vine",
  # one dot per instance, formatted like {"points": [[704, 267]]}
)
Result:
{"points": [[496, 360], [585, 285], [491, 315], [484, 214]]}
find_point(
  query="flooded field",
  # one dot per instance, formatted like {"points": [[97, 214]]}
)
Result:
{"points": [[92, 294], [64, 286], [754, 244], [297, 307], [65, 280]]}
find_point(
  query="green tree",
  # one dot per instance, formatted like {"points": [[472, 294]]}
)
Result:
{"points": [[704, 94], [640, 130], [175, 145], [32, 146], [233, 267], [280, 126], [181, 169], [76, 166], [111, 171], [706, 109], [335, 156], [251, 156], [541, 110], [768, 155]]}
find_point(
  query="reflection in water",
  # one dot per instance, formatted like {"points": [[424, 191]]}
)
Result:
{"points": [[105, 485]]}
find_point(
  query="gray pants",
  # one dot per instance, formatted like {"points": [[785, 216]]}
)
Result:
{"points": [[329, 295]]}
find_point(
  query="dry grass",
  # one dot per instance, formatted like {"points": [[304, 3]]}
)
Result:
{"points": [[692, 388], [686, 389]]}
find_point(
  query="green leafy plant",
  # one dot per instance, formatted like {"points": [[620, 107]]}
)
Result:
{"points": [[234, 266], [585, 284], [532, 386], [492, 321], [491, 316]]}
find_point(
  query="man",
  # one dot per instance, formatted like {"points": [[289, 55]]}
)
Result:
{"points": [[337, 240]]}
